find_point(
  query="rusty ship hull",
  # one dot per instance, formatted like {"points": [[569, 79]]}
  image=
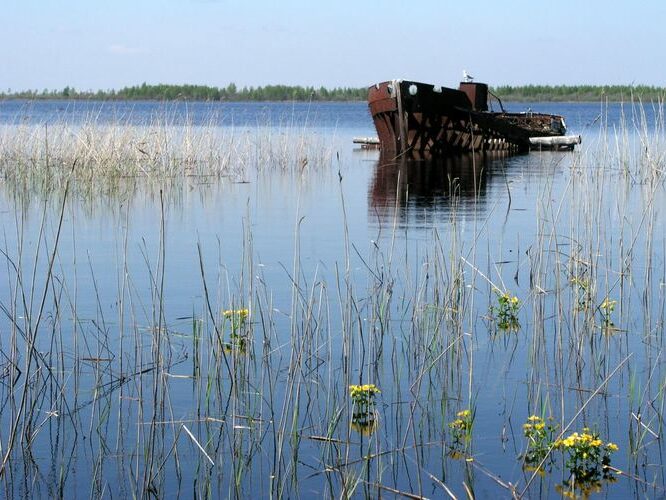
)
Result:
{"points": [[424, 120]]}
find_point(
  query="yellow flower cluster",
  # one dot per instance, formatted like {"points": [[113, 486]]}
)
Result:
{"points": [[612, 447], [534, 423], [584, 439], [539, 434], [576, 440], [508, 300], [363, 390], [512, 300], [537, 426], [239, 313], [463, 422]]}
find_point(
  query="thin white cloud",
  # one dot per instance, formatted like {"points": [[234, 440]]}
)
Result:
{"points": [[124, 50]]}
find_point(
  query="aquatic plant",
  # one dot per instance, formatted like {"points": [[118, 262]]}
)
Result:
{"points": [[363, 401], [236, 319], [587, 456], [461, 430], [539, 434], [506, 311], [606, 309]]}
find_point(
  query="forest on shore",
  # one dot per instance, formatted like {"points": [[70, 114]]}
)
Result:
{"points": [[579, 93], [232, 93]]}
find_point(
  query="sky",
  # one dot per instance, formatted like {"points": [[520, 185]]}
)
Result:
{"points": [[91, 45]]}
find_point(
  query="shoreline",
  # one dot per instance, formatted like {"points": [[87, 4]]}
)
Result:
{"points": [[530, 93], [601, 100]]}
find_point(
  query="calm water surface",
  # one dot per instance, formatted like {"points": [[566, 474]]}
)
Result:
{"points": [[357, 271]]}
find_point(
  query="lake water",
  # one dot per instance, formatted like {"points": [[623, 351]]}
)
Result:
{"points": [[353, 271]]}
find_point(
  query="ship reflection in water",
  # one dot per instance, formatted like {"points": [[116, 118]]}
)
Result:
{"points": [[420, 192]]}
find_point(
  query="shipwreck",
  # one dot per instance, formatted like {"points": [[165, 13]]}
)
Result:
{"points": [[424, 120]]}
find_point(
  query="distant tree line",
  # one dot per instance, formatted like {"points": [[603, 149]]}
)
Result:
{"points": [[163, 92], [579, 93], [231, 92]]}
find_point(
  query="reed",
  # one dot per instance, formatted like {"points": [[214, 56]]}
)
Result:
{"points": [[244, 389], [161, 149]]}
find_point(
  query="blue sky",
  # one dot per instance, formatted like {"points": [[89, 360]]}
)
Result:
{"points": [[94, 45]]}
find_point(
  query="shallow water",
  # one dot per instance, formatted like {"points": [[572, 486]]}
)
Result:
{"points": [[355, 271]]}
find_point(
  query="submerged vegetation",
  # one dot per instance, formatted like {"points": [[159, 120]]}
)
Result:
{"points": [[193, 364]]}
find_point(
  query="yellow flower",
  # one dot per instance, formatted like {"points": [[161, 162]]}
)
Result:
{"points": [[241, 313], [534, 418], [569, 441], [612, 447], [370, 389], [464, 413]]}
